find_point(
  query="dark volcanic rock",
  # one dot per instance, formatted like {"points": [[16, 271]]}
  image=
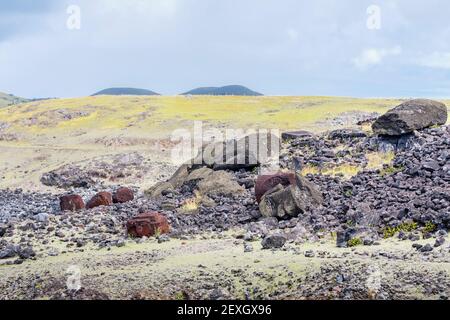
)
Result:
{"points": [[343, 134], [2, 230], [343, 237], [100, 199], [123, 195], [439, 242], [273, 242], [26, 253], [245, 153], [20, 204], [410, 116], [291, 135], [290, 201], [71, 203], [426, 248], [431, 165], [67, 177], [396, 143], [8, 251], [413, 188]]}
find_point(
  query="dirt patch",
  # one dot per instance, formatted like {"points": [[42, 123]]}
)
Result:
{"points": [[52, 118], [120, 168]]}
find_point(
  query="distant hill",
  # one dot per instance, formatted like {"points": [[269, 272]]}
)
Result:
{"points": [[202, 91], [9, 99], [125, 92], [223, 91]]}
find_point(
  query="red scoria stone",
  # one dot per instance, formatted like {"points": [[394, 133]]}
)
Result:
{"points": [[100, 199], [147, 225], [267, 182], [123, 195], [71, 203]]}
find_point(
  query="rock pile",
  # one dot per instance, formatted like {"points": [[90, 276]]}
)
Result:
{"points": [[410, 116], [11, 251], [409, 194], [74, 202], [17, 204], [68, 177], [284, 201]]}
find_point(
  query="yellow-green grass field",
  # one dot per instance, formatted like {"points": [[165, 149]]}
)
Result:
{"points": [[43, 135], [157, 116], [149, 116]]}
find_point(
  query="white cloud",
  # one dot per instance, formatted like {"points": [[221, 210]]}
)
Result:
{"points": [[170, 46], [292, 34], [371, 57], [437, 60], [149, 8]]}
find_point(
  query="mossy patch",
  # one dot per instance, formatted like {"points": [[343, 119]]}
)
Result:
{"points": [[389, 232], [345, 170], [391, 170], [376, 160], [354, 242], [429, 227]]}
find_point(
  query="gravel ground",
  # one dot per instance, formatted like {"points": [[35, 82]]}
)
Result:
{"points": [[219, 267]]}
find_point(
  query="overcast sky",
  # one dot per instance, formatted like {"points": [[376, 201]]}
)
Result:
{"points": [[277, 47]]}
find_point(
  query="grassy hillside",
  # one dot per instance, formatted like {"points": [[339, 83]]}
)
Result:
{"points": [[8, 99], [148, 115]]}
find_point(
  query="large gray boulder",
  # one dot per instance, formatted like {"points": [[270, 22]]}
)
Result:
{"points": [[207, 181], [410, 116], [275, 241], [247, 153], [176, 181], [219, 183], [290, 201]]}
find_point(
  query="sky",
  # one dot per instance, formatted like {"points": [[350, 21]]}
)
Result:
{"points": [[359, 48]]}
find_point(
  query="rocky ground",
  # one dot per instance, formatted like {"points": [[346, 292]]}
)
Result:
{"points": [[221, 266], [316, 232]]}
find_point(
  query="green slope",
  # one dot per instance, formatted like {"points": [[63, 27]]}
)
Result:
{"points": [[9, 99]]}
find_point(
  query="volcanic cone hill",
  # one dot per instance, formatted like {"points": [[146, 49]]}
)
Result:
{"points": [[233, 90], [125, 92]]}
